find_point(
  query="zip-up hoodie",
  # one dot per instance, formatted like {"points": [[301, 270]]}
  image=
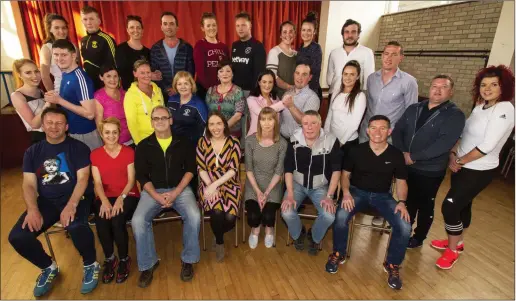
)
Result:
{"points": [[97, 49], [164, 169], [430, 145], [183, 61], [312, 167]]}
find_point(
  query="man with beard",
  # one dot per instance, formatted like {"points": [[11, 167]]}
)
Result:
{"points": [[170, 54], [351, 50]]}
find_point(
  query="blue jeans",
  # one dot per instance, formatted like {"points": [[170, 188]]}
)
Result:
{"points": [[186, 205], [384, 204], [322, 222]]}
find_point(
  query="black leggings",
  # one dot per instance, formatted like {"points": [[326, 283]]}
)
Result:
{"points": [[115, 229], [465, 186], [257, 217], [221, 222]]}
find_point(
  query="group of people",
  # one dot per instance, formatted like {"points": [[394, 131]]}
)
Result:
{"points": [[99, 130]]}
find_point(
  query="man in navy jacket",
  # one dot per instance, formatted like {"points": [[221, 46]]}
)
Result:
{"points": [[425, 133]]}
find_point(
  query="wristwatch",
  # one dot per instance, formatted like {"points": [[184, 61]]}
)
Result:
{"points": [[403, 201], [330, 196], [123, 196], [458, 161]]}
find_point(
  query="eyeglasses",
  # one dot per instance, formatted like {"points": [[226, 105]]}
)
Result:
{"points": [[164, 118]]}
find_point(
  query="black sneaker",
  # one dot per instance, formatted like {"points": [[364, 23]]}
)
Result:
{"points": [[187, 271], [335, 258], [123, 270], [394, 279], [146, 276], [313, 247], [108, 270], [299, 243], [414, 243]]}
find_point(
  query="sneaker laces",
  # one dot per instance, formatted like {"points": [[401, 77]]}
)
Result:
{"points": [[334, 257], [394, 270], [45, 273]]}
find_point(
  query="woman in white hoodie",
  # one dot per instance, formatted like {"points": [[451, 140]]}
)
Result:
{"points": [[347, 108]]}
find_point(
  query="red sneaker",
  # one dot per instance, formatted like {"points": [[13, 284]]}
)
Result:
{"points": [[447, 260], [442, 244]]}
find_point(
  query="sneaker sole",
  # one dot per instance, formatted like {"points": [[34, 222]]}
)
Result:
{"points": [[417, 247], [442, 249], [447, 268]]}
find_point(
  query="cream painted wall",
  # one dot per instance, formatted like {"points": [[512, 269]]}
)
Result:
{"points": [[502, 51], [333, 16]]}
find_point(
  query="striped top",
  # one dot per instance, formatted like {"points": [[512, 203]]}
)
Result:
{"points": [[77, 86]]}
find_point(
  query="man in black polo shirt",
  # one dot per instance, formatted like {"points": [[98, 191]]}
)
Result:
{"points": [[372, 165]]}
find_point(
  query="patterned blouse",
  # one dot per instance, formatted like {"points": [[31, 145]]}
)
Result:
{"points": [[233, 102], [216, 165]]}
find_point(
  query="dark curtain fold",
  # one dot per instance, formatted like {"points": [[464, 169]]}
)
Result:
{"points": [[266, 15]]}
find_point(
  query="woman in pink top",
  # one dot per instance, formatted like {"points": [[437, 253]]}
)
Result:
{"points": [[110, 102], [264, 95]]}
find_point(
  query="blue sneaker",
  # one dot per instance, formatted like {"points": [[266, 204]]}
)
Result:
{"points": [[44, 281], [335, 258], [90, 278]]}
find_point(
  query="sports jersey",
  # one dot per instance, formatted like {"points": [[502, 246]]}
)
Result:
{"points": [[97, 49], [248, 58]]}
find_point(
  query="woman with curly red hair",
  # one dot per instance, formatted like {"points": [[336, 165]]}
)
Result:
{"points": [[474, 157]]}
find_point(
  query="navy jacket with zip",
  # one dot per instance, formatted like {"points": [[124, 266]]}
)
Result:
{"points": [[430, 145], [164, 170]]}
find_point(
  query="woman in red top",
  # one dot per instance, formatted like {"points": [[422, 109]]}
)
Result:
{"points": [[207, 53], [113, 172]]}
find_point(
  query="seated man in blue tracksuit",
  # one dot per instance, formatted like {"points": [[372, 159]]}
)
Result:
{"points": [[312, 169]]}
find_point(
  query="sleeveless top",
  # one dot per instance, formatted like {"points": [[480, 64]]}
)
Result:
{"points": [[54, 69], [36, 106]]}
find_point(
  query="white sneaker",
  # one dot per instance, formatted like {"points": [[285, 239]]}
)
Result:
{"points": [[253, 241], [269, 240], [377, 221]]}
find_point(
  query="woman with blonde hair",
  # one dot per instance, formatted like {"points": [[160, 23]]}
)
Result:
{"points": [[28, 99], [112, 167], [189, 112], [143, 96], [264, 155]]}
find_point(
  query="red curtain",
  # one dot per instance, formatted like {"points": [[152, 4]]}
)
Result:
{"points": [[266, 15]]}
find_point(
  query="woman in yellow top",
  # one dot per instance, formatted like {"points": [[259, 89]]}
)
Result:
{"points": [[140, 99]]}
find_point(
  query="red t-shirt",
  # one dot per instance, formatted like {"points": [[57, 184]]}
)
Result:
{"points": [[113, 171], [206, 58]]}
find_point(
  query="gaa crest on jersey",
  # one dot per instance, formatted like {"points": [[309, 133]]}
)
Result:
{"points": [[94, 44]]}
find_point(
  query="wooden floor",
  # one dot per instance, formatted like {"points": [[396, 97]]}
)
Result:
{"points": [[484, 271]]}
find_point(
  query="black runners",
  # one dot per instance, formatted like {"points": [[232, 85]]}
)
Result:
{"points": [[299, 243], [313, 247], [146, 276], [108, 270], [335, 258], [414, 243], [394, 279], [123, 269], [187, 271]]}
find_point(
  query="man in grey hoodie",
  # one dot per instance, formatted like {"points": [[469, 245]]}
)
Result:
{"points": [[425, 133]]}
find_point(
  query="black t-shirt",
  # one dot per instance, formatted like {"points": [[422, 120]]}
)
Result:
{"points": [[374, 173], [248, 62], [125, 58], [55, 166]]}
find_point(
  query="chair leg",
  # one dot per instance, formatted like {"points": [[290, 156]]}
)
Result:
{"points": [[49, 244], [243, 226], [288, 238], [388, 244], [203, 231], [350, 236], [236, 234], [275, 228], [384, 226]]}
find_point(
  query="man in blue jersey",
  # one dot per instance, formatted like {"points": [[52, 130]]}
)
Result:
{"points": [[75, 95]]}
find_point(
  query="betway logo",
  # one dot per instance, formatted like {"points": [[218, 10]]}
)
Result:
{"points": [[237, 59]]}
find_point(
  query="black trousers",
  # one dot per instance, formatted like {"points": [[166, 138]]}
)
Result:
{"points": [[421, 201], [257, 217], [465, 186], [221, 222], [115, 229]]}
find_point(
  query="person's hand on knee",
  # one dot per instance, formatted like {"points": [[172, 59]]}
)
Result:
{"points": [[287, 203], [33, 220]]}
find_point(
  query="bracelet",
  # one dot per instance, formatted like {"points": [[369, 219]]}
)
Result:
{"points": [[402, 201], [454, 153]]}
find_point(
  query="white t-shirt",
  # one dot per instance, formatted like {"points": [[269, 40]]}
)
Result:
{"points": [[54, 69], [338, 59], [487, 130], [340, 121]]}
